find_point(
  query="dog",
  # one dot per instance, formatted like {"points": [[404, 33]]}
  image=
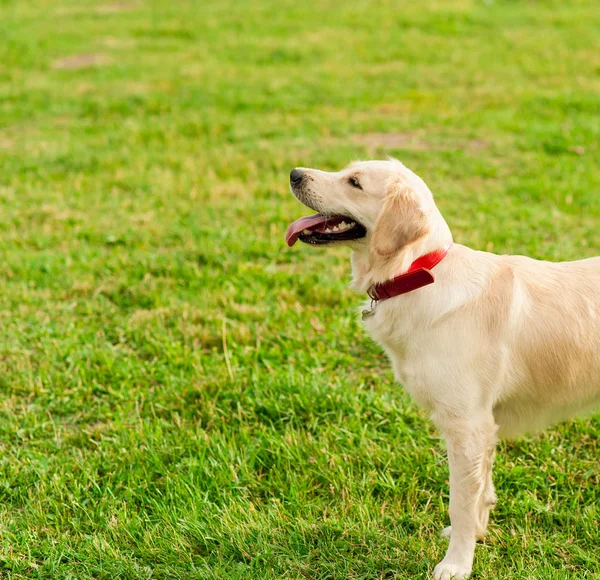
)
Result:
{"points": [[491, 346]]}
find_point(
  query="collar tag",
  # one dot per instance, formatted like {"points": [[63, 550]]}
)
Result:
{"points": [[368, 313]]}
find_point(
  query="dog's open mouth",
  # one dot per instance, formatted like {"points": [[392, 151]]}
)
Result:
{"points": [[321, 229]]}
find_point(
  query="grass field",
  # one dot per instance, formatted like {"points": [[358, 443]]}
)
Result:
{"points": [[184, 397]]}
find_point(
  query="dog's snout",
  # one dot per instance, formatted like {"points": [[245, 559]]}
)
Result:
{"points": [[296, 176]]}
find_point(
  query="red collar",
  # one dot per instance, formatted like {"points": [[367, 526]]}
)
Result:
{"points": [[417, 276]]}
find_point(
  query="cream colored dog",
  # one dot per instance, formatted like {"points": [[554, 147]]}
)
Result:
{"points": [[496, 346]]}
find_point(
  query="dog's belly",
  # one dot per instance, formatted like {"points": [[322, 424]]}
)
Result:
{"points": [[518, 417]]}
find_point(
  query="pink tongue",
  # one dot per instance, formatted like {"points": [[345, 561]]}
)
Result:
{"points": [[304, 223]]}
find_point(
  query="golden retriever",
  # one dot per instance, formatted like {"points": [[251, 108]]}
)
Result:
{"points": [[491, 346]]}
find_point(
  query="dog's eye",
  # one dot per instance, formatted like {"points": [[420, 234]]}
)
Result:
{"points": [[353, 181]]}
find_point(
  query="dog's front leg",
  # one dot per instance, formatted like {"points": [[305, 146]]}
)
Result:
{"points": [[469, 444]]}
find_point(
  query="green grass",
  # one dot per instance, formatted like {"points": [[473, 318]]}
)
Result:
{"points": [[184, 397]]}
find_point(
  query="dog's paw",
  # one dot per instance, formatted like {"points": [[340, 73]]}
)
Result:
{"points": [[446, 571], [446, 532]]}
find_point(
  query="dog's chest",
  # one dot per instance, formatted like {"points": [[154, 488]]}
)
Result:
{"points": [[404, 345]]}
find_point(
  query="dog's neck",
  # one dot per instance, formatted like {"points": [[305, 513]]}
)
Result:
{"points": [[368, 270]]}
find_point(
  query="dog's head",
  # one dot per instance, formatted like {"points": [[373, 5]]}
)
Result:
{"points": [[381, 209], [379, 203]]}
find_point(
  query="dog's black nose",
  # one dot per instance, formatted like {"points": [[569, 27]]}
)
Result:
{"points": [[296, 176]]}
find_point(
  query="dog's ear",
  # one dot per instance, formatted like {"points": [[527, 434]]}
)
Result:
{"points": [[401, 221]]}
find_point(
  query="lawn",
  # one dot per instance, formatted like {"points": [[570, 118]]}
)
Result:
{"points": [[182, 396]]}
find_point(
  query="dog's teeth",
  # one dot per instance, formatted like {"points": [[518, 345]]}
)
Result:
{"points": [[328, 231], [336, 229], [306, 231], [344, 226]]}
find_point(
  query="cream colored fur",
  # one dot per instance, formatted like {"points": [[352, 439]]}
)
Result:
{"points": [[497, 346]]}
